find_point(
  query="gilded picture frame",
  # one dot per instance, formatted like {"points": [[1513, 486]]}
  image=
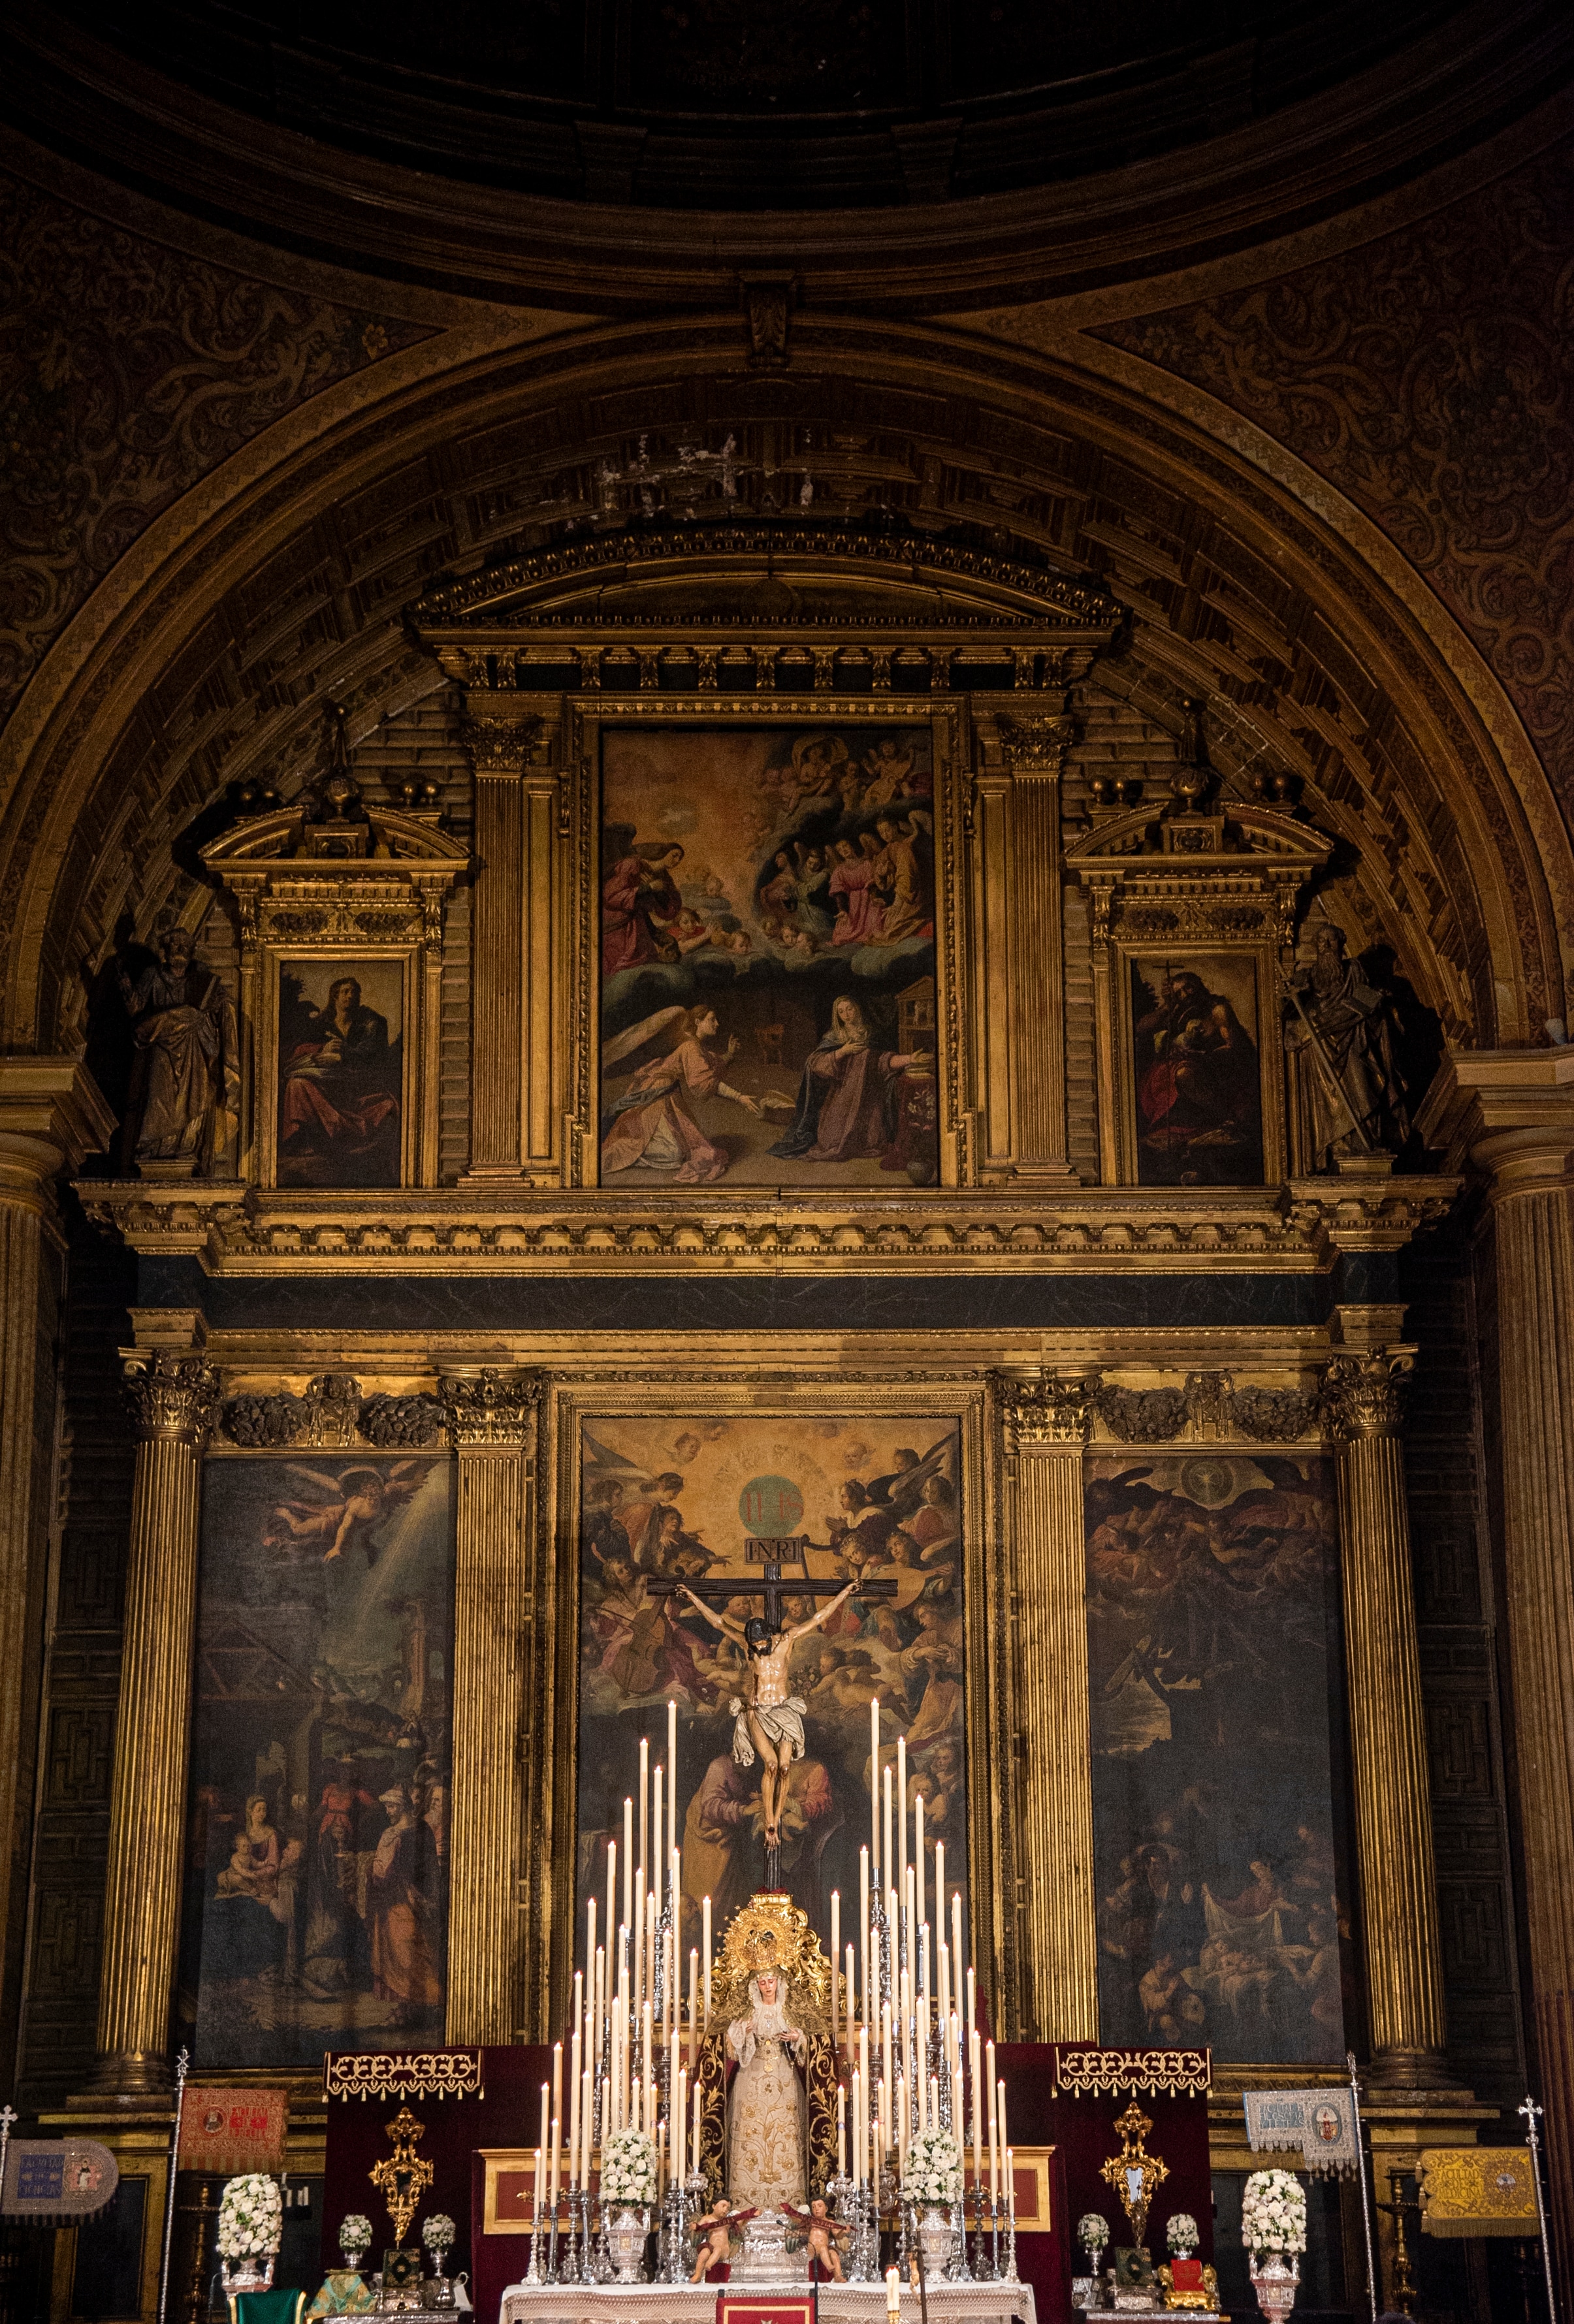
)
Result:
{"points": [[305, 976], [1189, 1107], [573, 1412], [605, 722]]}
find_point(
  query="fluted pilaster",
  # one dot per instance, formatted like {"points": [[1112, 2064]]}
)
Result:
{"points": [[51, 1116], [1045, 1422], [1363, 1400], [491, 1420], [176, 1400], [500, 751]]}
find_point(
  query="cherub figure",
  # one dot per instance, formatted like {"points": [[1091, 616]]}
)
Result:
{"points": [[819, 2233], [714, 2233], [348, 1508]]}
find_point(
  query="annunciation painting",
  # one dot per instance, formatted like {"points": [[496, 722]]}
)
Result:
{"points": [[317, 1861], [1215, 1668], [1197, 1070], [340, 1096], [677, 1501], [768, 957]]}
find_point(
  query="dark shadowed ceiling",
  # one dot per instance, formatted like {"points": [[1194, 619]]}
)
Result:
{"points": [[802, 105]]}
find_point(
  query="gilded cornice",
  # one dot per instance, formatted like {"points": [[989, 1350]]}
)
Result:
{"points": [[480, 1230]]}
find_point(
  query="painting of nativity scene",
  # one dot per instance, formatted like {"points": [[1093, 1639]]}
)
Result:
{"points": [[1214, 1662], [768, 957], [676, 1501], [317, 1861]]}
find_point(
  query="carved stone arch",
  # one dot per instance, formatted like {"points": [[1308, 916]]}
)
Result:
{"points": [[1086, 477]]}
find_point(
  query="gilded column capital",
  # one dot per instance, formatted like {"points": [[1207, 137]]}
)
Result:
{"points": [[174, 1399], [1044, 1409], [1363, 1394], [1509, 1112], [491, 1410], [1034, 744], [500, 740]]}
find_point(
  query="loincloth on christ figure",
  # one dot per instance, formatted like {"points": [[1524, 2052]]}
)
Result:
{"points": [[783, 1722]]}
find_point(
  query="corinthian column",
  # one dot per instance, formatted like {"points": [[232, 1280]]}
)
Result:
{"points": [[175, 1398], [1511, 1113], [51, 1116], [1363, 1398], [1045, 1423], [491, 1419]]}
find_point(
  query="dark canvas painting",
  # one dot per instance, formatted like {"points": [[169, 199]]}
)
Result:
{"points": [[317, 1857], [1215, 1668], [1197, 1071], [340, 1073], [768, 957], [680, 1497]]}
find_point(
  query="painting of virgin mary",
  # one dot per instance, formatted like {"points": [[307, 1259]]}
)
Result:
{"points": [[846, 1098]]}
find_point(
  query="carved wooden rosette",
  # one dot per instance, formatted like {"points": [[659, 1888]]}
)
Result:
{"points": [[1045, 1421], [1364, 1406], [175, 1399], [491, 1422]]}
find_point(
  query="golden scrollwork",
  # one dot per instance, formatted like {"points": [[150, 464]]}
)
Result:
{"points": [[402, 2074], [771, 1932], [402, 2177], [1134, 2172], [1150, 2073], [1478, 2190]]}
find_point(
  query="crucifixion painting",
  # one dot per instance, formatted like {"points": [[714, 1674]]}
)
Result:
{"points": [[771, 1574]]}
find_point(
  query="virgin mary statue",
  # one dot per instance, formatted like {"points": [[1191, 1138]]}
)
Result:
{"points": [[766, 2109]]}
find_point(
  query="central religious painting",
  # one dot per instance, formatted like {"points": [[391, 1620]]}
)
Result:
{"points": [[768, 955], [676, 1501]]}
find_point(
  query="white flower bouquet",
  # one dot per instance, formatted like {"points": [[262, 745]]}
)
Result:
{"points": [[356, 2233], [251, 2218], [438, 2232], [1093, 2231], [933, 2171], [1180, 2235], [628, 2168], [1273, 2214]]}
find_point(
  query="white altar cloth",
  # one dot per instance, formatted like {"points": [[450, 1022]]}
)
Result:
{"points": [[695, 2303]]}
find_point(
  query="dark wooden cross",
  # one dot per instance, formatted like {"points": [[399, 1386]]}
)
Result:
{"points": [[772, 1552]]}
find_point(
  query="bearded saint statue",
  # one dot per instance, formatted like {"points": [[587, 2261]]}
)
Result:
{"points": [[766, 2109]]}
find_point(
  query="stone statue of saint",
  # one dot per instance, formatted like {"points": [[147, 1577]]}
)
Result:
{"points": [[766, 2111], [183, 1116], [1340, 1035]]}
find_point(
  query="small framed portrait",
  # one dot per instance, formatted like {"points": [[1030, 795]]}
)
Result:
{"points": [[1197, 1110], [340, 1088]]}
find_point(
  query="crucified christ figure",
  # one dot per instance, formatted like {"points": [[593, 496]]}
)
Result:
{"points": [[766, 1719]]}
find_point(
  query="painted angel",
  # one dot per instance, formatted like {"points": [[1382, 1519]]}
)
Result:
{"points": [[348, 1509]]}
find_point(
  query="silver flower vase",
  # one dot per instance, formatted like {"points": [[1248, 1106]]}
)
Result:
{"points": [[1275, 2284]]}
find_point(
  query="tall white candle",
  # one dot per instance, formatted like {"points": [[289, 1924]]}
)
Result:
{"points": [[863, 2073], [857, 2128], [543, 2143], [847, 1981], [628, 1864], [957, 1961], [972, 2000], [842, 2132], [875, 1781], [697, 2116], [644, 1808], [705, 1953], [659, 1858], [1000, 2106], [836, 1967], [940, 1888], [671, 1779], [994, 2125], [575, 2069], [693, 2005], [557, 2161], [901, 1813], [886, 1873], [919, 1858], [611, 1888], [540, 2181]]}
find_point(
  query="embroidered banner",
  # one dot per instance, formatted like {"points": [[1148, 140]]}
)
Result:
{"points": [[402, 2074], [1321, 2123], [1478, 2190], [1147, 2073], [225, 2131], [56, 2182]]}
